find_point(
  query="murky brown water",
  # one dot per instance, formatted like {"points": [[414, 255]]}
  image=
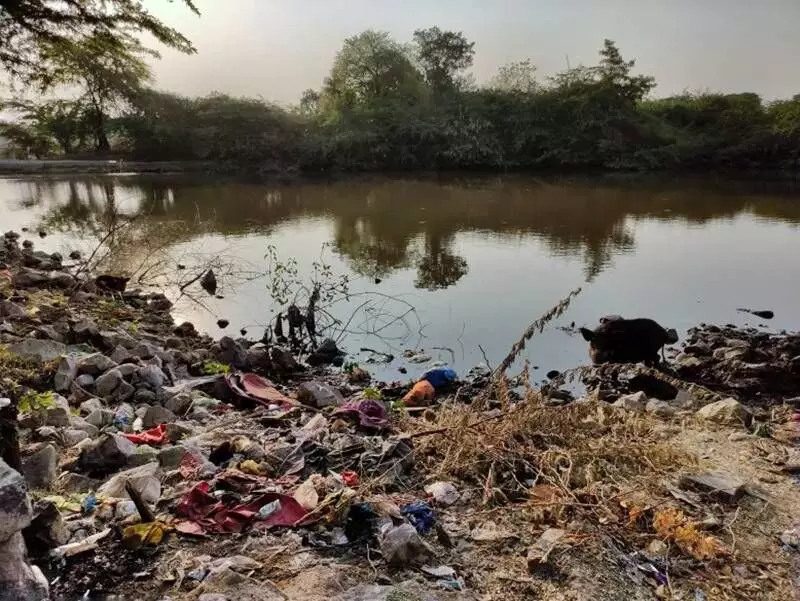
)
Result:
{"points": [[477, 260]]}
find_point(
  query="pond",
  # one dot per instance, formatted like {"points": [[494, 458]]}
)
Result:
{"points": [[457, 267]]}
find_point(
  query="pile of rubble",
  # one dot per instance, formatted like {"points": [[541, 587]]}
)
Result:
{"points": [[162, 464]]}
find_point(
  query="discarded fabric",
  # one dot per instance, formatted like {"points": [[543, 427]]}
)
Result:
{"points": [[421, 516], [371, 414], [154, 436]]}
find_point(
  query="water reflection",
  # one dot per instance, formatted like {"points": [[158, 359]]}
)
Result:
{"points": [[383, 226]]}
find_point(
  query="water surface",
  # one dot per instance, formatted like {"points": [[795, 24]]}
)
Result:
{"points": [[459, 264]]}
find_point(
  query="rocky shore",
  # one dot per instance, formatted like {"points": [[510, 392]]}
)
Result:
{"points": [[143, 460]]}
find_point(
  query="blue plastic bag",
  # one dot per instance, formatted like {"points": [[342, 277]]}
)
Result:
{"points": [[421, 516], [439, 377]]}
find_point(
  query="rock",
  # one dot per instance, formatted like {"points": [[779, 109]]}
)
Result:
{"points": [[223, 323], [185, 330], [124, 414], [41, 468], [153, 376], [128, 369], [57, 417], [144, 397], [69, 483], [144, 478], [95, 364], [178, 431], [729, 411], [47, 530], [39, 351], [723, 486], [109, 453], [143, 455], [660, 408], [283, 360], [231, 353], [257, 357], [85, 381], [444, 493], [209, 282], [48, 332], [157, 415], [171, 457], [738, 436], [632, 402], [124, 392], [48, 433], [85, 330], [12, 310], [70, 437], [653, 387], [540, 552], [144, 351], [78, 423], [657, 549], [66, 373], [15, 507], [180, 403], [89, 405], [100, 418], [401, 546], [106, 384], [30, 278], [122, 355], [319, 394], [326, 353], [686, 361], [61, 279], [20, 581]]}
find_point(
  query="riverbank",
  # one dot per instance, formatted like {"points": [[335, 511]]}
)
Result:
{"points": [[313, 483], [9, 167]]}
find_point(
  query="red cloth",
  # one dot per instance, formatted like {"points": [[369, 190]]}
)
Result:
{"points": [[350, 478], [154, 436], [206, 514]]}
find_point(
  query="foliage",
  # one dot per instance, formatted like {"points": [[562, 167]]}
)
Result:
{"points": [[672, 525], [53, 122], [516, 76], [29, 28], [442, 55], [33, 401], [213, 368]]}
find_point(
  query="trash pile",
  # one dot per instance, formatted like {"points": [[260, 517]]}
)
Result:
{"points": [[162, 464]]}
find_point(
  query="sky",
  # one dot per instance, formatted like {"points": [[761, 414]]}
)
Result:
{"points": [[275, 49]]}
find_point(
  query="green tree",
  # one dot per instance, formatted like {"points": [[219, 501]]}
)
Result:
{"points": [[60, 120], [443, 55], [107, 70], [517, 76], [29, 26], [370, 66]]}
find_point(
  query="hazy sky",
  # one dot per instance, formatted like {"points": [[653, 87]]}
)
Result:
{"points": [[278, 48]]}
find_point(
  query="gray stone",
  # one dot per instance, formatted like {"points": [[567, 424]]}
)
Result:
{"points": [[89, 405], [69, 483], [48, 433], [258, 357], [145, 351], [106, 384], [539, 553], [144, 396], [180, 403], [78, 423], [122, 355], [71, 436], [50, 333], [57, 417], [47, 530], [20, 580], [12, 310], [143, 455], [15, 507], [723, 486], [41, 468], [85, 381], [61, 279], [728, 411], [95, 364], [157, 415], [29, 278], [660, 408], [39, 351], [124, 392], [401, 546], [231, 353], [125, 413], [171, 457], [179, 431], [66, 373], [153, 376], [128, 369], [632, 402], [100, 418], [85, 330], [319, 394], [110, 452]]}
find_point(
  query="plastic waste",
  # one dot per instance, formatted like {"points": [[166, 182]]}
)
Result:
{"points": [[420, 395], [145, 479], [87, 544], [153, 436], [269, 509], [421, 516], [138, 535], [444, 493], [402, 546], [350, 479], [440, 377], [89, 504], [370, 413]]}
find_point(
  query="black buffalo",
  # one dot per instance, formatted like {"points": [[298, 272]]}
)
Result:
{"points": [[619, 340]]}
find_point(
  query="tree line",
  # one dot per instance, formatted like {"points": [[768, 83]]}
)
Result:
{"points": [[385, 106]]}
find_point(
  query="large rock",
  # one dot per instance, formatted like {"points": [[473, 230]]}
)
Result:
{"points": [[20, 581], [319, 394], [47, 530], [15, 507], [39, 351], [402, 547], [180, 403], [108, 453], [95, 364], [41, 468], [122, 355], [61, 279], [157, 415], [29, 278], [100, 418], [85, 330], [66, 373], [85, 381], [89, 405], [153, 376], [632, 402], [78, 423], [105, 385], [660, 408], [728, 411], [9, 309]]}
